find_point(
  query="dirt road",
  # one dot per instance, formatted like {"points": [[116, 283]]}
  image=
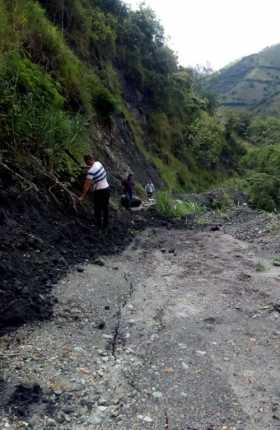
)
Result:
{"points": [[181, 331]]}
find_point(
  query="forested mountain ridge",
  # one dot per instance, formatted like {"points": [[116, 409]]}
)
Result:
{"points": [[252, 83], [92, 75]]}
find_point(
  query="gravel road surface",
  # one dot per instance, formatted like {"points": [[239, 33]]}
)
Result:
{"points": [[179, 332]]}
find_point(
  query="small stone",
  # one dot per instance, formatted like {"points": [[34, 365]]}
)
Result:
{"points": [[60, 418], [101, 325], [148, 420], [115, 413], [168, 370], [51, 422], [201, 353], [157, 395], [96, 419], [85, 371], [99, 262], [185, 366], [102, 408], [107, 336]]}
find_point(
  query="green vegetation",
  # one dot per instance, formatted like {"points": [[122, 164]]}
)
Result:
{"points": [[208, 140], [251, 84], [82, 75], [258, 162], [264, 131], [73, 70], [276, 261], [171, 208], [260, 267], [261, 164]]}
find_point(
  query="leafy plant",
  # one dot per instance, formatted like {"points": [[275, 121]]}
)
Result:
{"points": [[169, 207], [264, 131], [34, 121], [66, 64], [263, 191], [208, 139], [276, 261], [260, 267]]}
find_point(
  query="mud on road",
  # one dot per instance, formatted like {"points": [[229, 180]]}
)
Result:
{"points": [[180, 331]]}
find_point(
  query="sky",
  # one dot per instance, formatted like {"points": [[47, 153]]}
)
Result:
{"points": [[217, 31]]}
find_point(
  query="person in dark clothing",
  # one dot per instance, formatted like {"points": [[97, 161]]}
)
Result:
{"points": [[96, 180], [128, 187]]}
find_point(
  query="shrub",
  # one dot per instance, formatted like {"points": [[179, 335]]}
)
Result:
{"points": [[5, 30], [265, 159], [264, 131], [171, 208], [33, 119], [264, 191], [208, 139]]}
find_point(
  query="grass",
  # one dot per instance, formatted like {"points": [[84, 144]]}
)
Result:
{"points": [[169, 207], [260, 267], [276, 261]]}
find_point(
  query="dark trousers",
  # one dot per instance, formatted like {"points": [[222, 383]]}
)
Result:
{"points": [[101, 207], [129, 196]]}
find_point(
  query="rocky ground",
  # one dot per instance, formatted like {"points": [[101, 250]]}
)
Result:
{"points": [[178, 331]]}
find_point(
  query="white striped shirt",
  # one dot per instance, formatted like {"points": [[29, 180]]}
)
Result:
{"points": [[98, 175]]}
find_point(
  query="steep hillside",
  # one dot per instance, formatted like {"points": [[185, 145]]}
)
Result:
{"points": [[251, 83], [82, 75]]}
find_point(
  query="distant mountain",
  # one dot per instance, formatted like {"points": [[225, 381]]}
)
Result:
{"points": [[251, 83]]}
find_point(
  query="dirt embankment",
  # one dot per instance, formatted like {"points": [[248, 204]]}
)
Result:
{"points": [[39, 242], [42, 235]]}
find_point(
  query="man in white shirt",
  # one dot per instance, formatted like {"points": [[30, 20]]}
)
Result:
{"points": [[96, 180], [150, 189]]}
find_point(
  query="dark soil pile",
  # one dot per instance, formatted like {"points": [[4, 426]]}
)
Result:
{"points": [[38, 242]]}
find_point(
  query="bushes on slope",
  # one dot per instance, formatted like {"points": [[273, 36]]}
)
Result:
{"points": [[32, 118]]}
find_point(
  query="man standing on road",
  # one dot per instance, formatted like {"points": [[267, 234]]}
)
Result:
{"points": [[96, 179], [150, 189]]}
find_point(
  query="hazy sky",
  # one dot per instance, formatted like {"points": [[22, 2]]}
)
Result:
{"points": [[217, 31]]}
